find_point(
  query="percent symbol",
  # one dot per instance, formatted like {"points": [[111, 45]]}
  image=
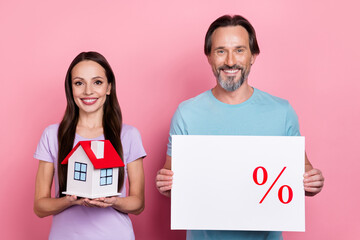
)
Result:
{"points": [[280, 192]]}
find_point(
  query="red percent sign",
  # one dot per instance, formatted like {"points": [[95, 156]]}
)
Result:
{"points": [[280, 192]]}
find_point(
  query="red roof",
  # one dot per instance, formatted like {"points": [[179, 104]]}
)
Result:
{"points": [[111, 157]]}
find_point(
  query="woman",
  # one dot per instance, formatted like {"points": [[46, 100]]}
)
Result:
{"points": [[92, 113]]}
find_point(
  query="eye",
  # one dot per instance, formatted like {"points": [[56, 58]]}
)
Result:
{"points": [[78, 83], [98, 82], [220, 52], [240, 50]]}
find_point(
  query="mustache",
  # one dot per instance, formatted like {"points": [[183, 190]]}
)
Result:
{"points": [[226, 67]]}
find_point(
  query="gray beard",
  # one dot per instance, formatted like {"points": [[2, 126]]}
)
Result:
{"points": [[229, 84]]}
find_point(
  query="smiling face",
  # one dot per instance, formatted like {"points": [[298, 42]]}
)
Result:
{"points": [[230, 57], [89, 86]]}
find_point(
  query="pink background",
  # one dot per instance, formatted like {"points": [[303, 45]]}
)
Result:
{"points": [[309, 55]]}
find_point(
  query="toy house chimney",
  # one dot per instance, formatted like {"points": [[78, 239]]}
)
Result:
{"points": [[98, 148]]}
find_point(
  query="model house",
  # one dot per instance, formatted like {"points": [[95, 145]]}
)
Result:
{"points": [[93, 169]]}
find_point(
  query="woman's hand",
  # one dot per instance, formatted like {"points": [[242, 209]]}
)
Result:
{"points": [[73, 200], [102, 202]]}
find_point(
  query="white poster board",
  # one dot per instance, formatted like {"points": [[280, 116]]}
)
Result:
{"points": [[214, 184]]}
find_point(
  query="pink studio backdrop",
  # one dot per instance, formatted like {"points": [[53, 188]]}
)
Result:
{"points": [[309, 55]]}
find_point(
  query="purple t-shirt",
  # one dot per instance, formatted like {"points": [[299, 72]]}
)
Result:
{"points": [[79, 222]]}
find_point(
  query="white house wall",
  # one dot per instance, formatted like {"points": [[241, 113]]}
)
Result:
{"points": [[106, 190], [82, 189]]}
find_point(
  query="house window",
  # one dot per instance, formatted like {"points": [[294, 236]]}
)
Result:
{"points": [[106, 176], [80, 171]]}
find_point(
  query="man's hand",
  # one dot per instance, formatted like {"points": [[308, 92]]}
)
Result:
{"points": [[164, 181], [313, 182]]}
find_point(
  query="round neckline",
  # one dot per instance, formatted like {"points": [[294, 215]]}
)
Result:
{"points": [[245, 103], [95, 138]]}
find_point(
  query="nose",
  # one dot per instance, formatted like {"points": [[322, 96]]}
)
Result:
{"points": [[88, 89], [230, 60]]}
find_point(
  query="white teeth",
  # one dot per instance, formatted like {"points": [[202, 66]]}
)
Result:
{"points": [[231, 71], [89, 100]]}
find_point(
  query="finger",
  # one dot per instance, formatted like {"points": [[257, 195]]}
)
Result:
{"points": [[105, 205], [100, 204], [317, 184], [160, 177], [111, 200], [91, 202], [164, 171], [312, 189], [71, 198], [87, 204], [312, 172], [163, 183], [95, 204], [165, 189], [314, 178]]}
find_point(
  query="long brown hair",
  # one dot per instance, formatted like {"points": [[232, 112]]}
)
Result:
{"points": [[112, 118]]}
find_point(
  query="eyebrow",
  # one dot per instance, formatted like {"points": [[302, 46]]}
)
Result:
{"points": [[221, 47], [80, 78], [97, 77]]}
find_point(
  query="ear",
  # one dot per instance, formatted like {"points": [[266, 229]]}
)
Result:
{"points": [[253, 58], [108, 90]]}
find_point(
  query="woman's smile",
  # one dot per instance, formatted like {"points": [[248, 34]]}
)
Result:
{"points": [[89, 101]]}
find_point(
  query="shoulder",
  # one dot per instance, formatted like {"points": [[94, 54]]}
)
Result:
{"points": [[268, 99], [196, 101], [131, 143], [129, 131], [47, 147], [271, 98], [51, 131], [277, 104]]}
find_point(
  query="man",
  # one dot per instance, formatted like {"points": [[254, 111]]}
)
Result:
{"points": [[233, 107]]}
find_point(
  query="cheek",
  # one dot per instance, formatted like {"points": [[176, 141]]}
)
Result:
{"points": [[77, 90], [245, 60], [74, 93]]}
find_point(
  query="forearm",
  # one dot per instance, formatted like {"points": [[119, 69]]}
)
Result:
{"points": [[49, 206], [134, 203], [131, 204], [44, 204]]}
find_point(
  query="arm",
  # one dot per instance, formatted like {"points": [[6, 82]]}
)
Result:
{"points": [[44, 205], [313, 179], [164, 178], [135, 202]]}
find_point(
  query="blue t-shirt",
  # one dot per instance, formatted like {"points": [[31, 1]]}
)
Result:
{"points": [[261, 115]]}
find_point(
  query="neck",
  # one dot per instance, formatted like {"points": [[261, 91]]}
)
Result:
{"points": [[240, 95], [90, 120], [90, 125]]}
